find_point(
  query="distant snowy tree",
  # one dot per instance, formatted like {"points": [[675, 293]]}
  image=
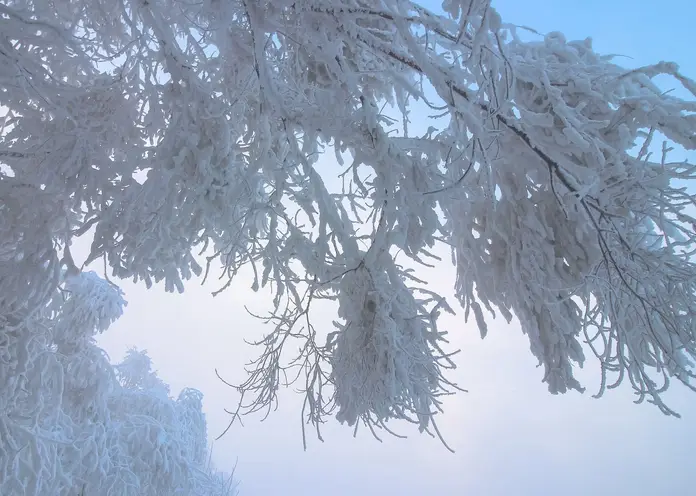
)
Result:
{"points": [[73, 424], [169, 128]]}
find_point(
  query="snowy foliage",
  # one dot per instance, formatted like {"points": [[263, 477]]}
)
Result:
{"points": [[171, 128], [72, 423]]}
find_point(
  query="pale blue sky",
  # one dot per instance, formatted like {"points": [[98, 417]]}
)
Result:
{"points": [[511, 437]]}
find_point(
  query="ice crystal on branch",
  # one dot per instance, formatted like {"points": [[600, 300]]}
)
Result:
{"points": [[384, 360], [174, 129]]}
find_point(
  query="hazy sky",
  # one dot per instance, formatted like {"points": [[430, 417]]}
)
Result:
{"points": [[511, 437]]}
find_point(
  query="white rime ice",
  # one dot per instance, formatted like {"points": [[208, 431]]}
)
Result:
{"points": [[168, 129], [72, 423]]}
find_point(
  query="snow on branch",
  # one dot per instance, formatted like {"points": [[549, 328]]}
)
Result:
{"points": [[176, 129]]}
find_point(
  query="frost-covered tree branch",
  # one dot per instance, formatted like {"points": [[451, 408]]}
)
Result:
{"points": [[177, 130]]}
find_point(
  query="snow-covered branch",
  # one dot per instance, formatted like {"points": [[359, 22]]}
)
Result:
{"points": [[175, 128]]}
